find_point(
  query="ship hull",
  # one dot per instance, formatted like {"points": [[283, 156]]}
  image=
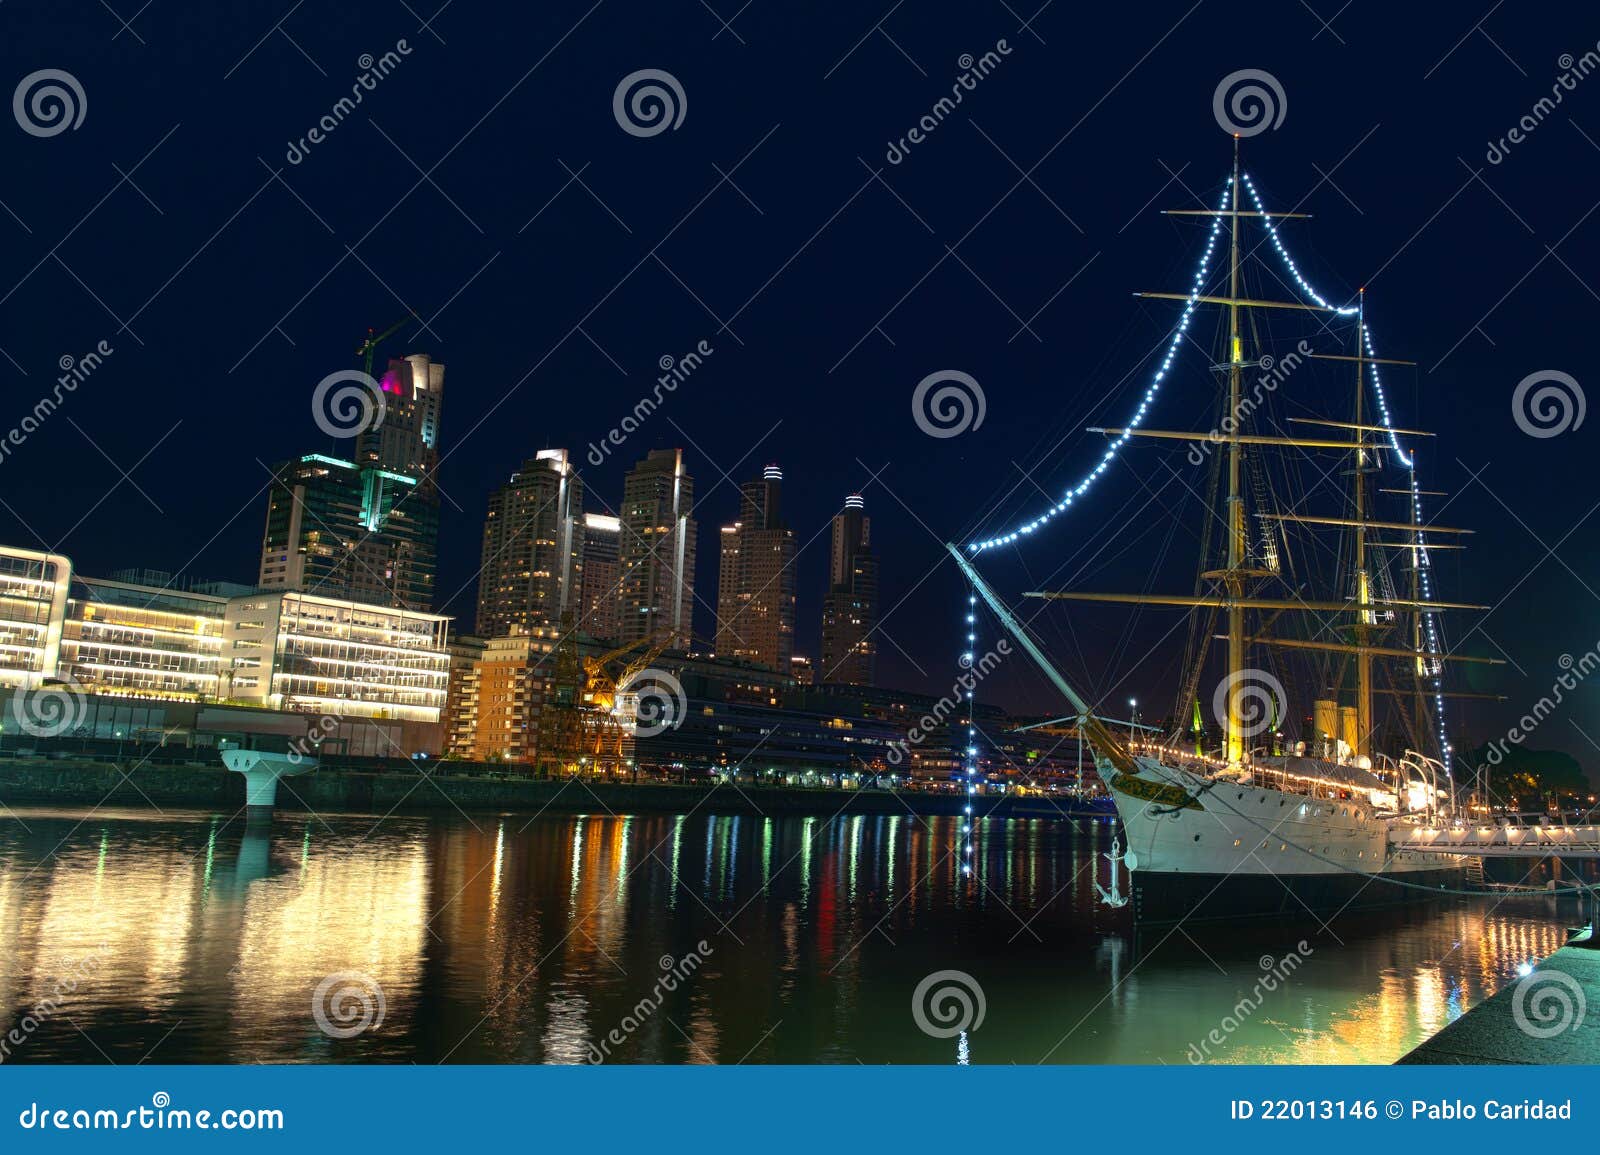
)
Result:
{"points": [[1166, 898], [1206, 849]]}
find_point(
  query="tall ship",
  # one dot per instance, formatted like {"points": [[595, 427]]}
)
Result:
{"points": [[1308, 734]]}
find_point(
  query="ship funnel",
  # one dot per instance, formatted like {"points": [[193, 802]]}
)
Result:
{"points": [[1325, 715]]}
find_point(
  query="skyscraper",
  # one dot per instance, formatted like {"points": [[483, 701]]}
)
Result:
{"points": [[341, 531], [850, 608], [407, 439], [755, 595], [532, 547], [602, 573], [365, 528], [656, 551]]}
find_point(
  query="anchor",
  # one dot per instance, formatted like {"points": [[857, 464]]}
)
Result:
{"points": [[1114, 897]]}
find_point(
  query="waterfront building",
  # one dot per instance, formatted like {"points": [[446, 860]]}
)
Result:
{"points": [[340, 530], [511, 682], [461, 696], [600, 591], [850, 607], [406, 441], [367, 527], [128, 640], [533, 543], [295, 651], [33, 607], [657, 551], [756, 594]]}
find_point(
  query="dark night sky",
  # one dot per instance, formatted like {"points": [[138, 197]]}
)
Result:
{"points": [[227, 294]]}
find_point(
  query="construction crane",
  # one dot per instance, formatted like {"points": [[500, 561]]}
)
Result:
{"points": [[579, 720], [600, 686], [613, 734], [369, 346]]}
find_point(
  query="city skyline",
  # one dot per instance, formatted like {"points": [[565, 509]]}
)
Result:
{"points": [[797, 316]]}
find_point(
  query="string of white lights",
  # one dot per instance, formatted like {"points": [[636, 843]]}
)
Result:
{"points": [[969, 759], [1138, 417], [1423, 561]]}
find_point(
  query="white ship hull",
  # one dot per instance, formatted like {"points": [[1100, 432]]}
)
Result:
{"points": [[1208, 848]]}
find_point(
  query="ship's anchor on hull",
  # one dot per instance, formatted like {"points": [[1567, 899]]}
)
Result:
{"points": [[1114, 897]]}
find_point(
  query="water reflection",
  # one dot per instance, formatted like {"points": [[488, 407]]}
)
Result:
{"points": [[518, 939]]}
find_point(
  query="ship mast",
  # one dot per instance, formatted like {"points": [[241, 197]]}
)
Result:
{"points": [[1234, 589], [1365, 618], [1234, 578]]}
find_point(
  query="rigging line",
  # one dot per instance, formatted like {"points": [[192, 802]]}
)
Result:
{"points": [[1159, 560], [1423, 561], [1144, 405], [1057, 619]]}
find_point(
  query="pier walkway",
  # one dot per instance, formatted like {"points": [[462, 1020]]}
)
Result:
{"points": [[1549, 1016], [1501, 841]]}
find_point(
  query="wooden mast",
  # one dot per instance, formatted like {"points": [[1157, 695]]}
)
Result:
{"points": [[1234, 580], [1364, 616]]}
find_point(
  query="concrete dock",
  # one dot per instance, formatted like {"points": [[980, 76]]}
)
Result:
{"points": [[1547, 1017]]}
